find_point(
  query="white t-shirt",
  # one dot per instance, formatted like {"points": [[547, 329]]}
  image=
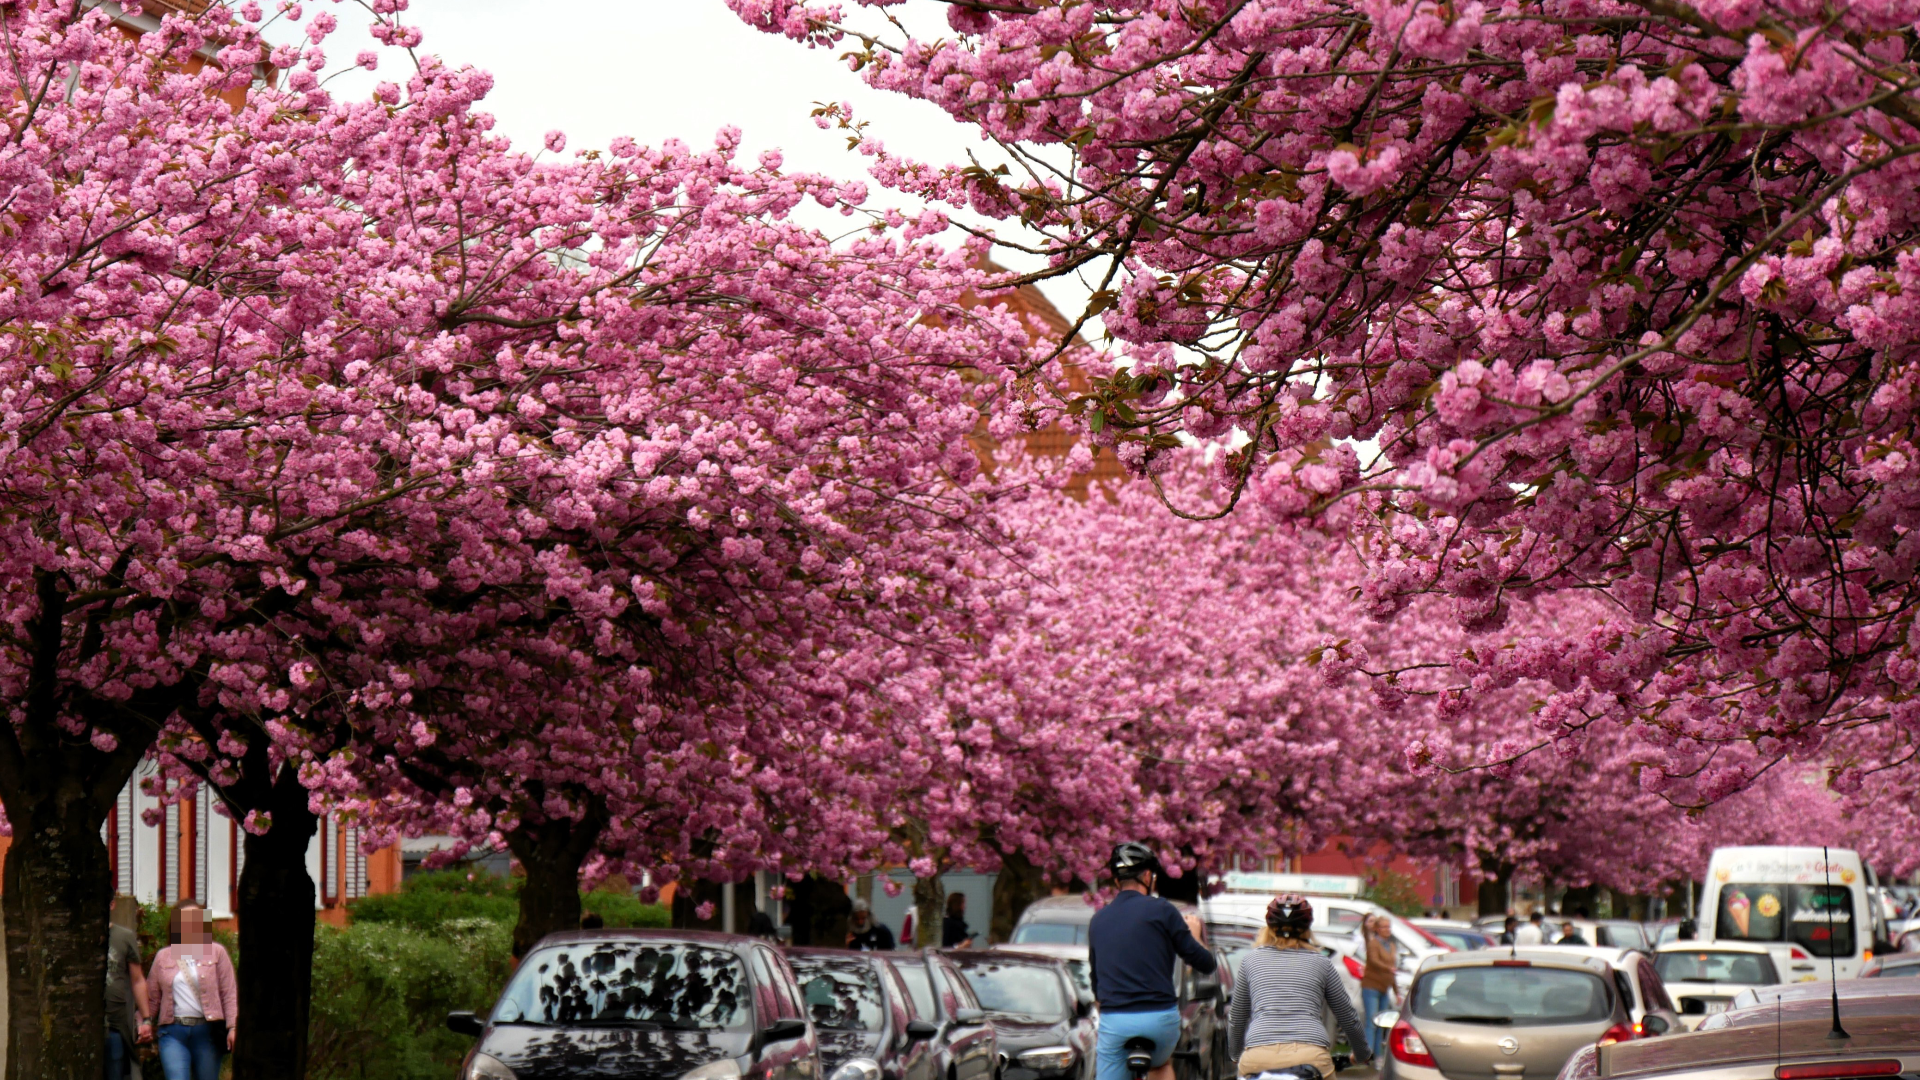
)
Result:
{"points": [[186, 990], [1529, 934]]}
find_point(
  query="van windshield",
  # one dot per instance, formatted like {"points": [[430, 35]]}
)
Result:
{"points": [[1818, 918], [1511, 996]]}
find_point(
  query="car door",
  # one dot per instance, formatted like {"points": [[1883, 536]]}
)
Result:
{"points": [[918, 1059], [972, 1039], [788, 1059]]}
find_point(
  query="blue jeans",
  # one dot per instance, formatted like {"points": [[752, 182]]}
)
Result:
{"points": [[116, 1055], [1372, 1002], [187, 1052], [1110, 1062]]}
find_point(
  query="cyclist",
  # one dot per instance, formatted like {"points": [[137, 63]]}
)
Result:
{"points": [[1282, 989], [1131, 944]]}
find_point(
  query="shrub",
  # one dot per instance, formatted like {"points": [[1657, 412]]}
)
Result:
{"points": [[382, 991], [427, 900], [625, 909]]}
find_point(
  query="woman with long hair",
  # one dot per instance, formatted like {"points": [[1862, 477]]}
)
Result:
{"points": [[1282, 988], [192, 995]]}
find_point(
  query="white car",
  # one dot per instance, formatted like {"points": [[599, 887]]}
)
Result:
{"points": [[1638, 982], [1702, 977]]}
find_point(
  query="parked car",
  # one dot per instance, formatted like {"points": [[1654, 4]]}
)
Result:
{"points": [[1703, 976], [644, 1003], [964, 1044], [861, 1010], [1044, 1028], [1639, 985], [1054, 920], [1892, 965], [1501, 1012], [1859, 998], [1073, 956], [1793, 1042], [1458, 933]]}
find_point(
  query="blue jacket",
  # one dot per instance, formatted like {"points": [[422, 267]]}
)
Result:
{"points": [[1131, 944]]}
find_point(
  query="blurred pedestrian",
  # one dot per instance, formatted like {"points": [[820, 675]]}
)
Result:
{"points": [[954, 932], [592, 921], [126, 991], [760, 925], [1534, 932], [1376, 981], [1688, 929], [868, 934], [1571, 935], [1507, 931], [193, 996]]}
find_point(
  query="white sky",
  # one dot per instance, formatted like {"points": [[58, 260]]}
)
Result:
{"points": [[659, 69]]}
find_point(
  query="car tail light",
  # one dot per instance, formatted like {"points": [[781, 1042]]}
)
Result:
{"points": [[1408, 1047], [1801, 954], [1355, 968], [1618, 1033], [1869, 954], [1835, 1070]]}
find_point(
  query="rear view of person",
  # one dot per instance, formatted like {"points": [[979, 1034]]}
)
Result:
{"points": [[1282, 988], [1131, 944]]}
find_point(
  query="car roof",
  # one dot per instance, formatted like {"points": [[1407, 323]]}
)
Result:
{"points": [[1445, 924], [1899, 960], [689, 937], [1571, 957], [826, 953], [1050, 950], [1072, 908], [1712, 946], [963, 957], [1765, 1004], [1613, 955], [1801, 1037]]}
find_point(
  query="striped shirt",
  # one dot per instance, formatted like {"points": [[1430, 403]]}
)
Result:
{"points": [[1281, 996]]}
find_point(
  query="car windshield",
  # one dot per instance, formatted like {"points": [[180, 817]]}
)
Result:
{"points": [[1709, 966], [662, 984], [1033, 989], [1461, 940], [842, 993], [919, 988], [1511, 995], [1819, 918], [1050, 933]]}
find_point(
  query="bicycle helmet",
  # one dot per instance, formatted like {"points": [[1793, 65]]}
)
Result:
{"points": [[1290, 911], [1130, 860]]}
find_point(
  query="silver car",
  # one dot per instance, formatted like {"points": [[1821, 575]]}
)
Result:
{"points": [[1504, 1014]]}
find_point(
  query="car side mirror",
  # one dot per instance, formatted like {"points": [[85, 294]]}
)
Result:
{"points": [[920, 1030], [466, 1023], [783, 1030], [1654, 1024]]}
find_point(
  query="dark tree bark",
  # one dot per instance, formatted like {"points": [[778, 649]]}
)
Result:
{"points": [[276, 915], [1493, 891], [551, 851], [57, 787], [929, 907], [1017, 885]]}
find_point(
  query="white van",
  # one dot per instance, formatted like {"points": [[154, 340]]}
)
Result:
{"points": [[1810, 911]]}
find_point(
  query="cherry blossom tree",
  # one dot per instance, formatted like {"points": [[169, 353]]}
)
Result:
{"points": [[1619, 291]]}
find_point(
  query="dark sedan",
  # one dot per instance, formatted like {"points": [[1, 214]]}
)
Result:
{"points": [[645, 1005], [964, 1044], [1045, 1028], [863, 1012]]}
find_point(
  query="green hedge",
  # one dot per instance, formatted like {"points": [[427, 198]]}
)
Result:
{"points": [[427, 900], [381, 994]]}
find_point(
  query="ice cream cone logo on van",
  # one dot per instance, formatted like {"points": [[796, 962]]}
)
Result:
{"points": [[1739, 909]]}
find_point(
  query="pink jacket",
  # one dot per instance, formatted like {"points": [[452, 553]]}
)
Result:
{"points": [[218, 996]]}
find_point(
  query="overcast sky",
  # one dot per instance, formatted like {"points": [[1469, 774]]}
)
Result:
{"points": [[659, 69]]}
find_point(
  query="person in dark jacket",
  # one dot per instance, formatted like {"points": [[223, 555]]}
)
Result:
{"points": [[1131, 945], [954, 932], [1506, 933], [866, 933]]}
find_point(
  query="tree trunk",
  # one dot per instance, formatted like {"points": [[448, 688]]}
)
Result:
{"points": [[551, 852], [1579, 902], [1493, 894], [1017, 885], [276, 914], [57, 888], [929, 906]]}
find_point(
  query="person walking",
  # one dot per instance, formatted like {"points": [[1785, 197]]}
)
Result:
{"points": [[1507, 930], [1376, 981], [868, 934], [1534, 933], [126, 992], [193, 996], [954, 932], [1282, 989]]}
